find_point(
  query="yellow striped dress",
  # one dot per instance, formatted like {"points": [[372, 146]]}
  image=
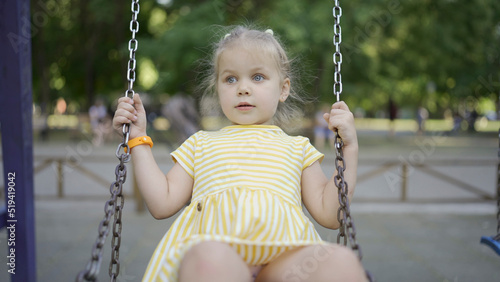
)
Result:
{"points": [[246, 193]]}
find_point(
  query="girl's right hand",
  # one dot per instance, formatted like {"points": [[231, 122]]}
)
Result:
{"points": [[341, 118], [130, 111]]}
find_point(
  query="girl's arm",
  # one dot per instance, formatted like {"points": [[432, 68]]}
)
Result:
{"points": [[319, 194], [164, 194]]}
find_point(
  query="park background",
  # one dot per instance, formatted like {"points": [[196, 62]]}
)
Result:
{"points": [[441, 56]]}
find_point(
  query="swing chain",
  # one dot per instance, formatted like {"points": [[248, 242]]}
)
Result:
{"points": [[116, 191], [337, 56], [347, 230], [114, 205], [132, 48], [343, 213], [121, 169], [131, 65]]}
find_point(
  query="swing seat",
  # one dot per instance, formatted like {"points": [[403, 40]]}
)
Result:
{"points": [[492, 243]]}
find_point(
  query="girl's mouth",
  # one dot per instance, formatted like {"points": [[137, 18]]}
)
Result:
{"points": [[244, 106]]}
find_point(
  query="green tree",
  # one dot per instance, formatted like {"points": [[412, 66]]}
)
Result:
{"points": [[434, 53]]}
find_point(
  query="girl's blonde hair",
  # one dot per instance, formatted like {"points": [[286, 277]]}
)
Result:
{"points": [[288, 111]]}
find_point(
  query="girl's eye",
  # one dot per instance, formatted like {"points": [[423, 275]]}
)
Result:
{"points": [[258, 77], [231, 79]]}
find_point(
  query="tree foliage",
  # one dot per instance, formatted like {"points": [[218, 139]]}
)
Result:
{"points": [[442, 54]]}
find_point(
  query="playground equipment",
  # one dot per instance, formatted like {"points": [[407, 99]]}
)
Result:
{"points": [[17, 214], [494, 241], [114, 205]]}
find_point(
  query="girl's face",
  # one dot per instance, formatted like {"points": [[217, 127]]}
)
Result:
{"points": [[250, 86]]}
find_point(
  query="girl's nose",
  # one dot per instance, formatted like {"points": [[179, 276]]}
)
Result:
{"points": [[243, 89]]}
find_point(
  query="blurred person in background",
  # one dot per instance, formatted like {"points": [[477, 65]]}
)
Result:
{"points": [[181, 112], [393, 114], [100, 122], [321, 131], [422, 116]]}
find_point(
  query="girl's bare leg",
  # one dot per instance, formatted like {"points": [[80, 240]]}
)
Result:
{"points": [[314, 263], [213, 261]]}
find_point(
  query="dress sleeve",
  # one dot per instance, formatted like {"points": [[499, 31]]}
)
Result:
{"points": [[311, 154], [185, 154]]}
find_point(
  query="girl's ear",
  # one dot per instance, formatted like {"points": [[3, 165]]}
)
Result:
{"points": [[285, 90]]}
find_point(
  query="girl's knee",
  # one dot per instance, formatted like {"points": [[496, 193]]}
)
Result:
{"points": [[337, 252], [214, 252], [344, 263], [211, 258], [338, 257], [325, 262]]}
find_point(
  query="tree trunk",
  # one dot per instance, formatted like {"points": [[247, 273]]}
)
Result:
{"points": [[498, 105], [89, 31], [42, 68], [119, 26]]}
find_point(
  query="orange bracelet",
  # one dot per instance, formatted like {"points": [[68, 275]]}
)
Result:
{"points": [[142, 140]]}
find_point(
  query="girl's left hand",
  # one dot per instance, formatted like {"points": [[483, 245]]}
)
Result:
{"points": [[340, 118]]}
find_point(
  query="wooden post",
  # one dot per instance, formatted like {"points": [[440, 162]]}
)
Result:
{"points": [[404, 182], [60, 179]]}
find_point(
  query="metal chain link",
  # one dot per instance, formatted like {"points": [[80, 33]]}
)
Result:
{"points": [[114, 264], [337, 56], [116, 188], [347, 230], [343, 214], [114, 205], [132, 47]]}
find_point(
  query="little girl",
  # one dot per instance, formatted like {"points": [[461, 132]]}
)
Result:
{"points": [[247, 181]]}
